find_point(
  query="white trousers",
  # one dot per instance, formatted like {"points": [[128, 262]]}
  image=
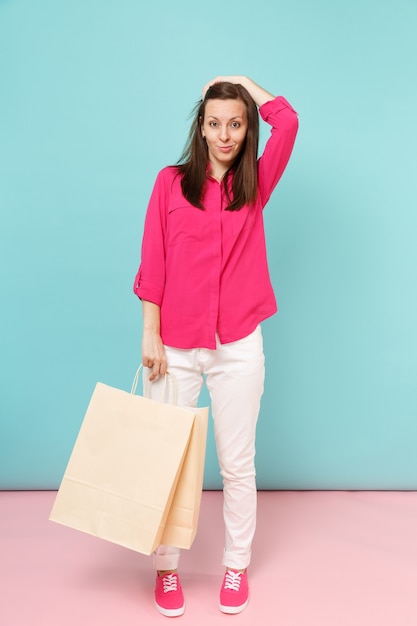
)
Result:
{"points": [[234, 375]]}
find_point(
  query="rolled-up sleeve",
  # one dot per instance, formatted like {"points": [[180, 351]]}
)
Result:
{"points": [[150, 279]]}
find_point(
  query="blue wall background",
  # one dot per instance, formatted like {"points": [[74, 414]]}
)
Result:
{"points": [[95, 98]]}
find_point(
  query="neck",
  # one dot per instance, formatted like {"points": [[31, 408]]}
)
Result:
{"points": [[217, 172]]}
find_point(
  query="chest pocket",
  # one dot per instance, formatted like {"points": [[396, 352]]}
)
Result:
{"points": [[241, 223], [185, 224]]}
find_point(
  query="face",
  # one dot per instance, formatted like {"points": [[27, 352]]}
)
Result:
{"points": [[224, 128]]}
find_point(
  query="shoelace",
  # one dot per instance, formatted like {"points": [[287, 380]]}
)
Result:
{"points": [[169, 582], [232, 580]]}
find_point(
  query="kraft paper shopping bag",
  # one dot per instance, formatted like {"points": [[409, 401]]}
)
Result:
{"points": [[122, 475]]}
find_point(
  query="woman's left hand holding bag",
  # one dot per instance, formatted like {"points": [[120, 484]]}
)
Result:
{"points": [[153, 351]]}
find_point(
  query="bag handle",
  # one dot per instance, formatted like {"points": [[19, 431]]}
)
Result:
{"points": [[172, 381]]}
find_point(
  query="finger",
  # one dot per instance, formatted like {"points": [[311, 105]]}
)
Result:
{"points": [[208, 85], [156, 370]]}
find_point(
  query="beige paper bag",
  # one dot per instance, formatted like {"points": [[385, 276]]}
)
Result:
{"points": [[182, 521], [123, 472]]}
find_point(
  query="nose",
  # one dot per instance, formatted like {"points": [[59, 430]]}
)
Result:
{"points": [[224, 133]]}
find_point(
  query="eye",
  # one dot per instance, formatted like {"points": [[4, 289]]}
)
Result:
{"points": [[235, 124], [213, 124]]}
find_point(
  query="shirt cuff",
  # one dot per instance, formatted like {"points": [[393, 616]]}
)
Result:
{"points": [[147, 291]]}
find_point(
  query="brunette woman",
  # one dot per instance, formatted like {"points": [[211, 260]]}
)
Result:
{"points": [[205, 288]]}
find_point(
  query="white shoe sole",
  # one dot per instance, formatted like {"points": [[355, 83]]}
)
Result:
{"points": [[233, 610], [170, 612]]}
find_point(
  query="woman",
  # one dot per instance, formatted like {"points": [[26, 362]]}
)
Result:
{"points": [[205, 289]]}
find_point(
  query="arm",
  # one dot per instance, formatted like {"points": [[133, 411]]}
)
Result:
{"points": [[150, 280], [283, 119], [153, 351], [259, 94]]}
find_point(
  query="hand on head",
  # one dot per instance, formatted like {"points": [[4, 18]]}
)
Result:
{"points": [[222, 79]]}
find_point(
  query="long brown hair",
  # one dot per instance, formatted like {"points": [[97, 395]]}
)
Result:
{"points": [[193, 162]]}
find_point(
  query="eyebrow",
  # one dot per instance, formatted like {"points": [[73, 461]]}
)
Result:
{"points": [[235, 117]]}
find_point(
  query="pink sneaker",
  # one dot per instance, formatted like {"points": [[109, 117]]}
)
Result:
{"points": [[169, 598], [234, 594]]}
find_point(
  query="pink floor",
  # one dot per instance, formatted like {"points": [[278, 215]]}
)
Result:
{"points": [[320, 558]]}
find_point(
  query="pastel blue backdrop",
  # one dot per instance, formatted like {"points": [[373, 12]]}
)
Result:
{"points": [[95, 99]]}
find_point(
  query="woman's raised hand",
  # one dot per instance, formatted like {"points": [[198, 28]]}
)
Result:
{"points": [[259, 94], [236, 80]]}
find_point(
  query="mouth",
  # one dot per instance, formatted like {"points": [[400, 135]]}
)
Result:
{"points": [[225, 149]]}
